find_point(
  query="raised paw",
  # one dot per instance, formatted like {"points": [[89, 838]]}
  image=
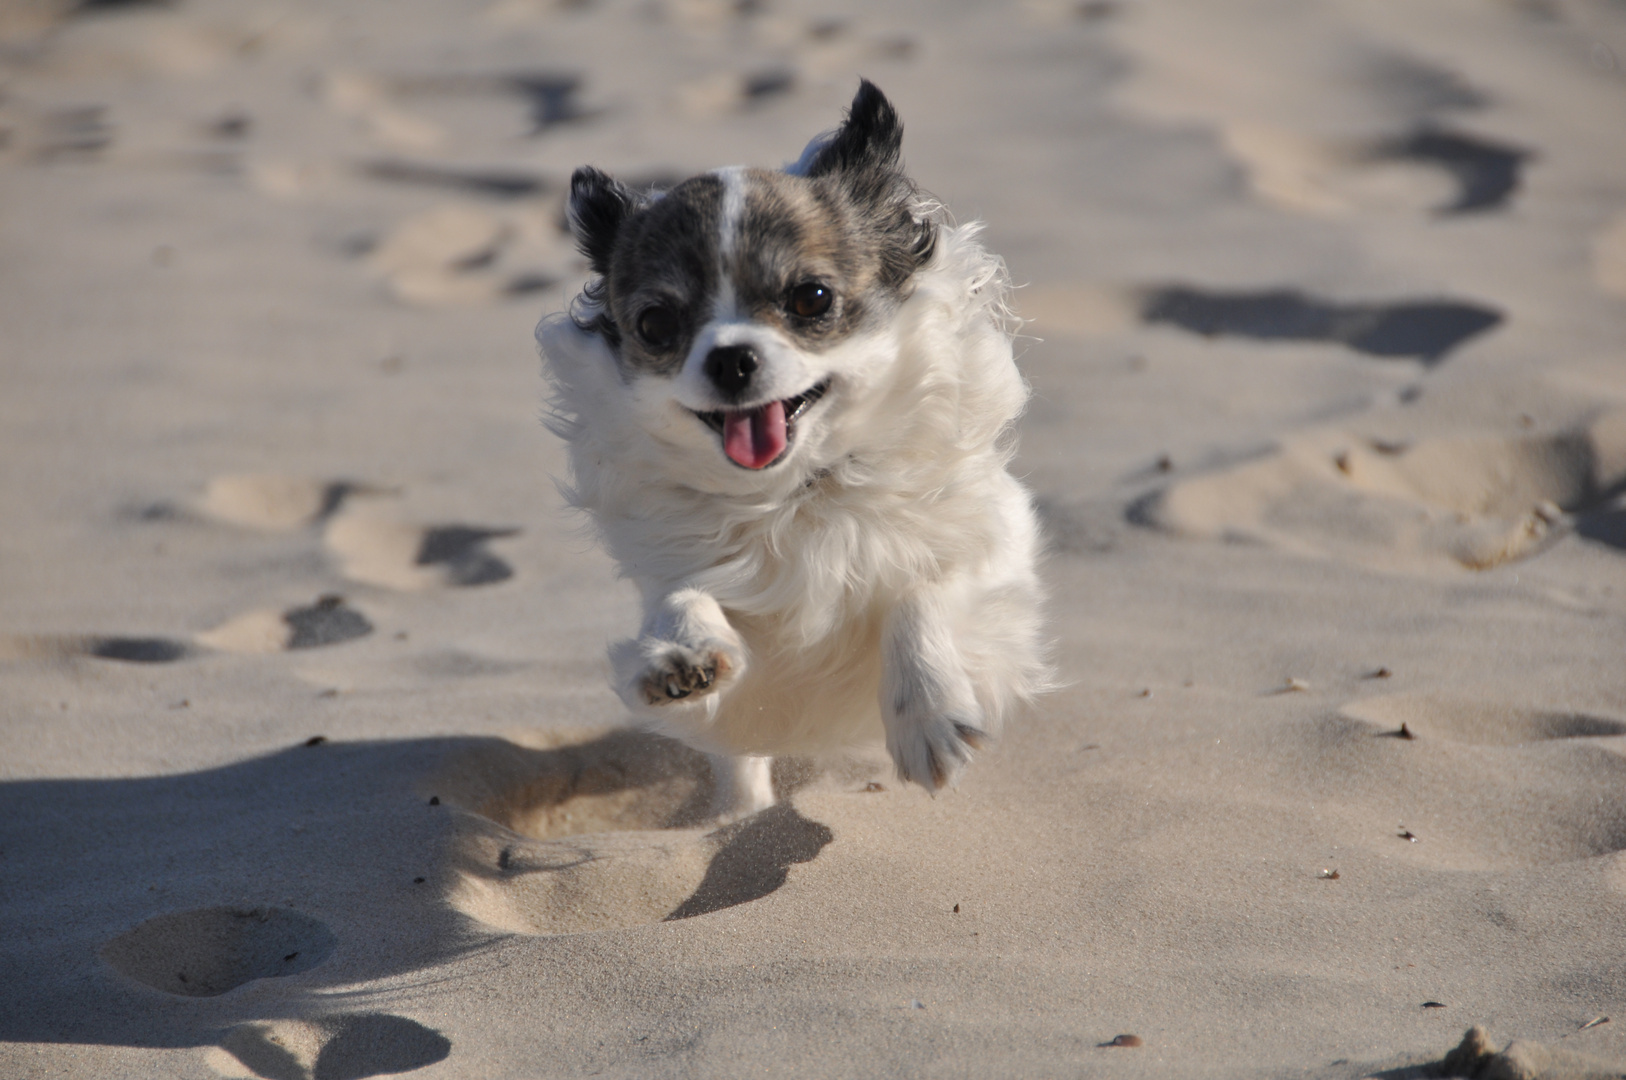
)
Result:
{"points": [[932, 752], [677, 673]]}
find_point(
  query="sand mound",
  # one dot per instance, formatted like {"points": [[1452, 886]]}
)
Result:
{"points": [[1522, 1059], [1473, 786], [1473, 501], [606, 832]]}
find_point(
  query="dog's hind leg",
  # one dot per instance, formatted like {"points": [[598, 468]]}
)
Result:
{"points": [[928, 704], [744, 784], [963, 652]]}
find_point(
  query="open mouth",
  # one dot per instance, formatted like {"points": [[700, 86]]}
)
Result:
{"points": [[756, 438]]}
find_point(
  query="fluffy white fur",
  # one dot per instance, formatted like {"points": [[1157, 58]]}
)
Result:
{"points": [[879, 582]]}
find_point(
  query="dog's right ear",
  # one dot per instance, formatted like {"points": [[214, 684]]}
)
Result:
{"points": [[598, 205], [867, 142]]}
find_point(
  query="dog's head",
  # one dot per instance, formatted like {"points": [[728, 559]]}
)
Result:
{"points": [[747, 309]]}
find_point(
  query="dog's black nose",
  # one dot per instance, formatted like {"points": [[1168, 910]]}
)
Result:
{"points": [[730, 368]]}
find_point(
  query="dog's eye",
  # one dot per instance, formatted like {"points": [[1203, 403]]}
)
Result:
{"points": [[658, 326], [809, 300]]}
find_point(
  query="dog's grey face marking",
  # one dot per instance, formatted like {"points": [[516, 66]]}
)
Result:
{"points": [[664, 273], [802, 261], [815, 256]]}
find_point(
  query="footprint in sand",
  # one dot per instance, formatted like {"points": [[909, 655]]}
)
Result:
{"points": [[328, 621], [828, 51], [1474, 502], [366, 101], [604, 833], [1427, 169], [420, 112], [1423, 330], [343, 1047], [1413, 330], [500, 184], [129, 650], [211, 951], [1486, 173], [730, 91], [383, 551], [371, 547], [1324, 124], [821, 50], [275, 502], [461, 254], [548, 99], [1427, 165]]}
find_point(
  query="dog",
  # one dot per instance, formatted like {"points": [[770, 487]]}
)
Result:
{"points": [[788, 400]]}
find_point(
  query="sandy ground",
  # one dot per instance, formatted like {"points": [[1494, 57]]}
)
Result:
{"points": [[308, 767]]}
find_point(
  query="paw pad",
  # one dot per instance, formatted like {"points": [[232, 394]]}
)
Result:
{"points": [[680, 674]]}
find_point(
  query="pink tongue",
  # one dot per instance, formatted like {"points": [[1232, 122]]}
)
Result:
{"points": [[756, 438]]}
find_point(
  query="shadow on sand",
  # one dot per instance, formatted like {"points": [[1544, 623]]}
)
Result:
{"points": [[1414, 330], [208, 908]]}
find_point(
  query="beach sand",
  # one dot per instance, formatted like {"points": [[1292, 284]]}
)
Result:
{"points": [[308, 763]]}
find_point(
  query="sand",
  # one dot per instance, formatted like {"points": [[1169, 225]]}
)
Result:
{"points": [[308, 764]]}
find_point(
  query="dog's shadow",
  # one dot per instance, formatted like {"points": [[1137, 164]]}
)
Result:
{"points": [[207, 908]]}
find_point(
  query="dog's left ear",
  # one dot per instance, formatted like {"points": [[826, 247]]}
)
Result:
{"points": [[868, 140], [598, 205]]}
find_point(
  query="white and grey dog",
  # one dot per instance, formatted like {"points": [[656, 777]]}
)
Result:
{"points": [[788, 398]]}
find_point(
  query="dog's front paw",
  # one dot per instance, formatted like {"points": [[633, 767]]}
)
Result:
{"points": [[674, 673], [932, 751]]}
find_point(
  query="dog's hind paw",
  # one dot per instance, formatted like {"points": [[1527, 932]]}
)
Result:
{"points": [[932, 752], [675, 673]]}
